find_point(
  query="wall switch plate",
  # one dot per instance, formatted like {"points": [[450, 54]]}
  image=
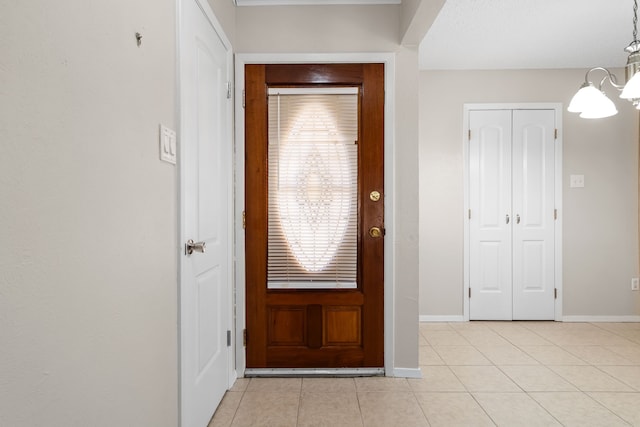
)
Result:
{"points": [[635, 284], [168, 146], [576, 181]]}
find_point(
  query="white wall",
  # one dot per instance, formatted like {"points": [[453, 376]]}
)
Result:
{"points": [[317, 29], [225, 13], [88, 323], [600, 241], [339, 29]]}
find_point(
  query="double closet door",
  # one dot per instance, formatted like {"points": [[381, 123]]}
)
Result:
{"points": [[511, 214]]}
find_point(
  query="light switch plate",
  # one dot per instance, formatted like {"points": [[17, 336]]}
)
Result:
{"points": [[167, 144], [576, 181]]}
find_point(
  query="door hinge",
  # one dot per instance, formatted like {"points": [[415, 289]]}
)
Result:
{"points": [[244, 220], [555, 293], [555, 214], [469, 135], [228, 90], [469, 292], [244, 337], [243, 98], [555, 134], [469, 213], [228, 338]]}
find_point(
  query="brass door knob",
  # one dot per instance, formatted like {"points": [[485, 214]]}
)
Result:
{"points": [[375, 232]]}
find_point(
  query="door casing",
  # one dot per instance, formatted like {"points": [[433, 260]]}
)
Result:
{"points": [[389, 253], [557, 107]]}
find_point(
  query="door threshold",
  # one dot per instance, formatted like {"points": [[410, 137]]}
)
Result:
{"points": [[313, 372]]}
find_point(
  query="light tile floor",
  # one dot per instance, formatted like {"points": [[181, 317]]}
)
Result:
{"points": [[474, 374]]}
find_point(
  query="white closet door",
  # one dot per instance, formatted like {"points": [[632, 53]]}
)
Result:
{"points": [[491, 218], [533, 207]]}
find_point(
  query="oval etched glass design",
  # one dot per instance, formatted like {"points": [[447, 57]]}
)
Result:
{"points": [[314, 194], [313, 191]]}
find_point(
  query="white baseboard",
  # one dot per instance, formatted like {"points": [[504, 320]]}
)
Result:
{"points": [[595, 319], [407, 373], [453, 318]]}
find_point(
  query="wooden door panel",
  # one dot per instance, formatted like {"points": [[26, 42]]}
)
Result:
{"points": [[287, 326], [302, 357], [312, 328], [311, 74], [314, 297], [256, 147], [342, 326], [371, 158]]}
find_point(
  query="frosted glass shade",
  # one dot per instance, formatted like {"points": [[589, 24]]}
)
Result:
{"points": [[591, 103], [632, 88]]}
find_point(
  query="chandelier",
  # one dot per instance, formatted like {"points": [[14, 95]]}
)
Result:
{"points": [[591, 102]]}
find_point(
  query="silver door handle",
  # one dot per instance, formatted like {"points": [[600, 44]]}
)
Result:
{"points": [[517, 218], [507, 219], [191, 247]]}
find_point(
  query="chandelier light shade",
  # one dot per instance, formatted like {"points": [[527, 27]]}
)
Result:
{"points": [[632, 88], [591, 102]]}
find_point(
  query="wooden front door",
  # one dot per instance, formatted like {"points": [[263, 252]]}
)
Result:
{"points": [[316, 327]]}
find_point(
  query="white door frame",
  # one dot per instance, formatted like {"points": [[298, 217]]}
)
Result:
{"points": [[557, 107], [389, 208], [206, 9]]}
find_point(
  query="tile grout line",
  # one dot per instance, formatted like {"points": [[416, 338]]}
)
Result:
{"points": [[299, 402]]}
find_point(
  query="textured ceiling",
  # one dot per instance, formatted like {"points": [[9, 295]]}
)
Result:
{"points": [[526, 34]]}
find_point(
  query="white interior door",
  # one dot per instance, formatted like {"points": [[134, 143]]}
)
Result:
{"points": [[490, 215], [533, 206], [512, 221], [205, 205]]}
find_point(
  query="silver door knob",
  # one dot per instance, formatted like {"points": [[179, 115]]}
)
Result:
{"points": [[191, 247]]}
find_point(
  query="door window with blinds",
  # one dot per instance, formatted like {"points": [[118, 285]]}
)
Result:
{"points": [[312, 194]]}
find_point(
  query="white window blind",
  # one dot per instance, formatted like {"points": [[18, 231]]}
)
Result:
{"points": [[313, 164]]}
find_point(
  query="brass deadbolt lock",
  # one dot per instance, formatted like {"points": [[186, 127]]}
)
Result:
{"points": [[375, 232]]}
